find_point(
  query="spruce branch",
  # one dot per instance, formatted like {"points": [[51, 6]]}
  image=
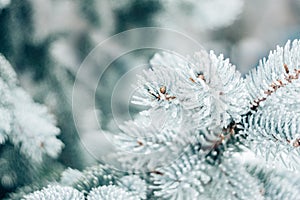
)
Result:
{"points": [[151, 140], [276, 85], [232, 182], [110, 193], [94, 176], [192, 175], [55, 192], [192, 100], [134, 185], [277, 183], [278, 70], [206, 85], [272, 125], [28, 125], [103, 182], [100, 176], [197, 118], [186, 177]]}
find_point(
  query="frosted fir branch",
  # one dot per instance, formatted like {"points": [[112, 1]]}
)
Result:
{"points": [[134, 185], [145, 140], [7, 73], [8, 79], [93, 183], [70, 177], [272, 126], [214, 139], [205, 89], [209, 87], [186, 177], [277, 183], [276, 85], [32, 177], [26, 124], [157, 87], [6, 118], [91, 177], [280, 69], [157, 90], [34, 131], [55, 192], [232, 182], [273, 139], [226, 89], [276, 123], [110, 193], [99, 176], [196, 176], [143, 147]]}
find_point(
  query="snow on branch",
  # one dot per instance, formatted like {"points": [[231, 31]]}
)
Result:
{"points": [[55, 192], [28, 125], [272, 126]]}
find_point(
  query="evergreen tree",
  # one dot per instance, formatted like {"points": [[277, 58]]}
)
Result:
{"points": [[204, 132], [200, 116]]}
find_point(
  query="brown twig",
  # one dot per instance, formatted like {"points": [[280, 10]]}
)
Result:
{"points": [[140, 143], [231, 129], [156, 172], [199, 75], [296, 143], [275, 86], [162, 91]]}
